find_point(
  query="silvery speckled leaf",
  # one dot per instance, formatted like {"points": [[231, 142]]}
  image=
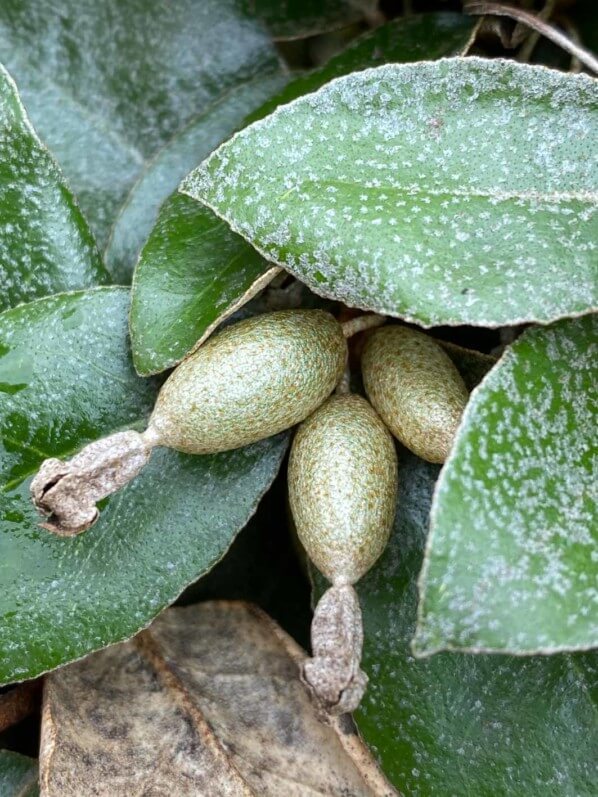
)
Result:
{"points": [[109, 84], [193, 269], [162, 174], [461, 191], [512, 559], [45, 243]]}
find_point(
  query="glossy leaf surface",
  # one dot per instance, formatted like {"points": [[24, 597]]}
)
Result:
{"points": [[192, 272], [66, 378], [108, 84]]}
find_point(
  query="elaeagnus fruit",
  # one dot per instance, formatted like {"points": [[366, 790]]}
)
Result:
{"points": [[247, 382], [251, 381], [342, 491], [342, 487], [415, 388]]}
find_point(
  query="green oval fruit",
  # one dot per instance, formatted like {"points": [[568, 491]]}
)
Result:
{"points": [[250, 381], [342, 487], [416, 389]]}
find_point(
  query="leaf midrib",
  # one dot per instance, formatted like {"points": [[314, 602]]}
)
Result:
{"points": [[566, 196]]}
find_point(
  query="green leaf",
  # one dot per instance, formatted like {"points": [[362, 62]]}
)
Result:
{"points": [[45, 244], [461, 191], [420, 37], [109, 84], [296, 19], [194, 271], [18, 775], [473, 365], [477, 726], [67, 379], [262, 567], [163, 174], [512, 562]]}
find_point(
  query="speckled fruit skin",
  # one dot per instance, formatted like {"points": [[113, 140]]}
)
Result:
{"points": [[415, 388], [343, 486], [250, 381]]}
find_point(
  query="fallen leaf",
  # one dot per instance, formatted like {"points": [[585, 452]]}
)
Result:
{"points": [[206, 702]]}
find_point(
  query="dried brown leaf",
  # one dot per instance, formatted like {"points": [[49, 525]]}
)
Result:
{"points": [[208, 701]]}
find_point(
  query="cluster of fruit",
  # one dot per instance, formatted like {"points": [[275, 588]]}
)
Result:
{"points": [[258, 377]]}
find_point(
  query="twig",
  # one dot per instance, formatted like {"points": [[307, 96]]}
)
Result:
{"points": [[529, 46], [344, 386], [477, 7], [573, 34]]}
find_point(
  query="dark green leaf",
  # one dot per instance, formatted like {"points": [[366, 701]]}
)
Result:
{"points": [[458, 724], [512, 563], [67, 379], [162, 175], [108, 84], [45, 244], [18, 775], [194, 270], [296, 19], [473, 365], [262, 567], [461, 191]]}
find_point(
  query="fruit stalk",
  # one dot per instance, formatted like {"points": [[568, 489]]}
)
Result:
{"points": [[362, 323], [333, 674], [67, 492], [342, 492], [249, 381]]}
